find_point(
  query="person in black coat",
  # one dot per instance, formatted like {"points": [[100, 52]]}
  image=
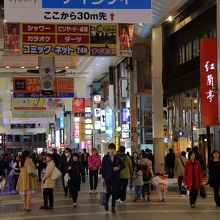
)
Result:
{"points": [[214, 176], [64, 164], [170, 163], [84, 162], [111, 167], [75, 171]]}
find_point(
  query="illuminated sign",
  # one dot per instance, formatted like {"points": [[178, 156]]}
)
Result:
{"points": [[76, 129], [97, 112], [97, 99], [108, 123]]}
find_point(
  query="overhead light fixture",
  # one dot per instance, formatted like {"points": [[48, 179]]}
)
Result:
{"points": [[37, 67], [22, 67], [91, 70], [66, 67], [170, 18], [141, 24], [4, 21], [7, 67], [97, 64]]}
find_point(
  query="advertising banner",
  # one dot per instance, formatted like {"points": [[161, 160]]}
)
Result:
{"points": [[30, 87], [82, 11], [108, 123], [125, 33], [103, 39], [70, 39], [209, 82], [125, 115], [79, 105], [11, 38]]}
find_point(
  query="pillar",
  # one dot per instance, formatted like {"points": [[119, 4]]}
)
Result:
{"points": [[157, 98], [217, 130]]}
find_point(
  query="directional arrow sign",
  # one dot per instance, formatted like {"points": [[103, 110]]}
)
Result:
{"points": [[78, 11]]}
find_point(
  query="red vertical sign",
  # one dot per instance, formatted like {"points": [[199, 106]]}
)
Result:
{"points": [[209, 82]]}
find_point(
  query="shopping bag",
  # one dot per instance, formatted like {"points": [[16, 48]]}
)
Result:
{"points": [[55, 174], [183, 189], [67, 179], [202, 192], [103, 197]]}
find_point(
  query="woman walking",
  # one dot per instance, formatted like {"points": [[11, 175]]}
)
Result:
{"points": [[193, 177], [75, 171], [48, 184], [94, 162], [27, 184], [214, 176]]}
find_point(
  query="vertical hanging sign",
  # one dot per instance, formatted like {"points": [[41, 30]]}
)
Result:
{"points": [[209, 82]]}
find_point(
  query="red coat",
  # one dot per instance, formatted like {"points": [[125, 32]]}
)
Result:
{"points": [[193, 175]]}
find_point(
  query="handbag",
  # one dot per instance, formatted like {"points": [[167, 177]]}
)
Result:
{"points": [[31, 171], [103, 197], [202, 192], [67, 179], [55, 174], [183, 189]]}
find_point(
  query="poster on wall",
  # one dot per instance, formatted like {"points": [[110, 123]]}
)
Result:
{"points": [[108, 123], [11, 38], [125, 33]]}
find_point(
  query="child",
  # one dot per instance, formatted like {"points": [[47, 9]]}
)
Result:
{"points": [[138, 182], [160, 181]]}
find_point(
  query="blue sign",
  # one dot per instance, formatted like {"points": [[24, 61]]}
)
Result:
{"points": [[97, 4], [108, 123], [62, 121], [39, 95], [125, 115], [57, 122]]}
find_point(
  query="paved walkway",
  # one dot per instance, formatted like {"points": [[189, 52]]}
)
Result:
{"points": [[176, 207]]}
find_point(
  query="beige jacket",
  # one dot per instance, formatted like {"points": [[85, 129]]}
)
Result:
{"points": [[179, 168], [47, 182], [26, 181]]}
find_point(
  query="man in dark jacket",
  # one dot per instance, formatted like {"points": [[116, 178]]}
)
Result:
{"points": [[111, 167], [64, 164], [84, 162], [170, 163]]}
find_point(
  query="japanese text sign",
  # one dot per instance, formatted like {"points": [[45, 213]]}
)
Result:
{"points": [[209, 82], [70, 39], [83, 11]]}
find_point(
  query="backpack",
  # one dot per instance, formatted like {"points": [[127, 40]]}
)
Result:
{"points": [[146, 172]]}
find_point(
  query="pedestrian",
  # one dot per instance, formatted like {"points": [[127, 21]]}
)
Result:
{"points": [[193, 177], [134, 161], [56, 157], [170, 163], [125, 175], [16, 174], [199, 158], [138, 182], [160, 181], [84, 162], [75, 170], [94, 163], [179, 168], [147, 171], [111, 167], [214, 176], [48, 184], [11, 171], [27, 184], [64, 164]]}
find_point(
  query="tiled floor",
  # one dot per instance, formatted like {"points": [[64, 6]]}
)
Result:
{"points": [[176, 207]]}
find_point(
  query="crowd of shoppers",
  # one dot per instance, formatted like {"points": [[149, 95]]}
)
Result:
{"points": [[118, 169]]}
